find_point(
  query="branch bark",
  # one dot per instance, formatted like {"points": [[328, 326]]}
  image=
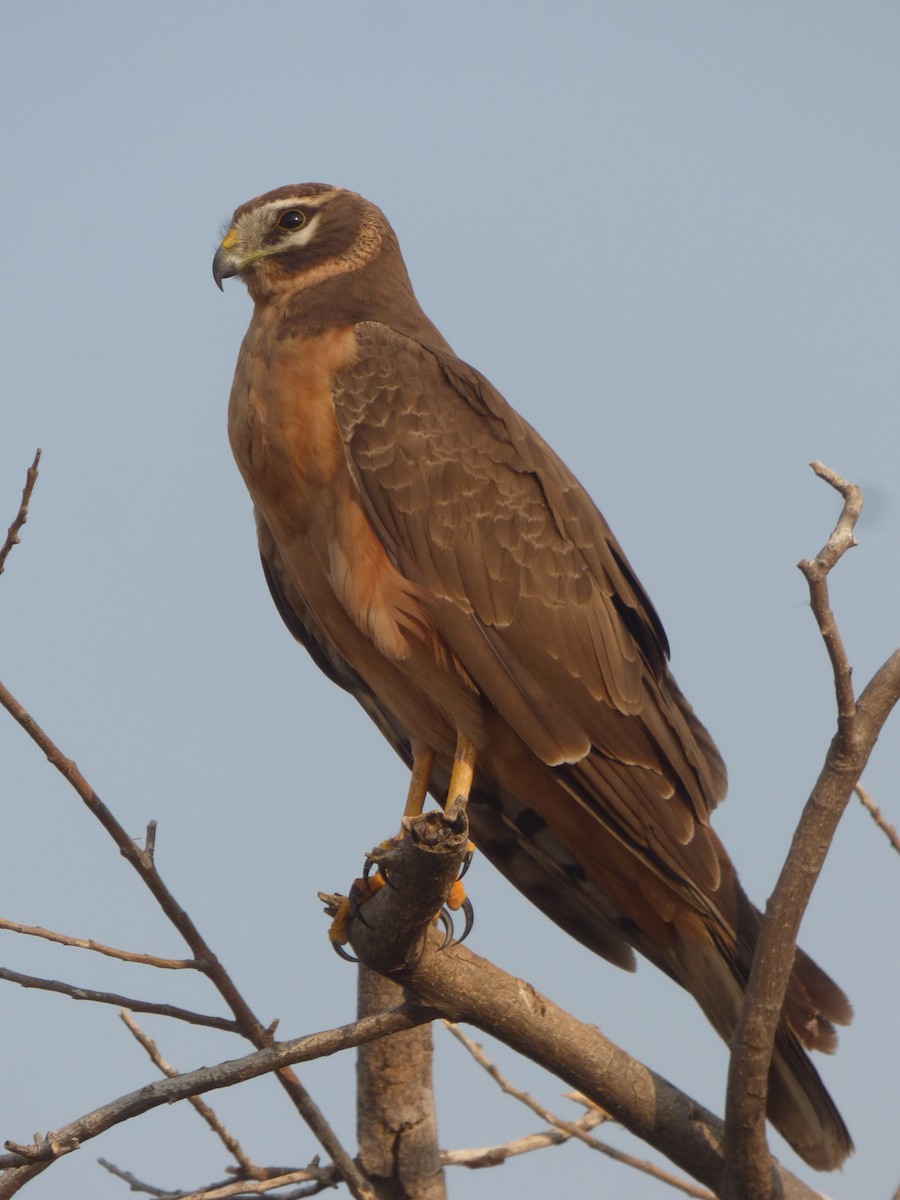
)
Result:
{"points": [[396, 1121]]}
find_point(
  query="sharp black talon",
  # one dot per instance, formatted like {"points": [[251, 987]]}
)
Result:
{"points": [[470, 920], [466, 863], [344, 954], [447, 921], [380, 868], [356, 906]]}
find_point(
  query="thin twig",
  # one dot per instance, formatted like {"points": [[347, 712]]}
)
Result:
{"points": [[12, 535], [878, 817], [573, 1129], [250, 1025], [492, 1156], [229, 1141], [816, 572], [320, 1177], [147, 960], [79, 993], [137, 1185], [319, 1180]]}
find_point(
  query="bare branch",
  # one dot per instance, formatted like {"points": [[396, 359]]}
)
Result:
{"points": [[858, 725], [147, 960], [878, 817], [143, 863], [79, 993], [62, 1141], [12, 534], [229, 1141], [574, 1129]]}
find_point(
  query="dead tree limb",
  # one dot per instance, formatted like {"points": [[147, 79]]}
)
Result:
{"points": [[859, 723]]}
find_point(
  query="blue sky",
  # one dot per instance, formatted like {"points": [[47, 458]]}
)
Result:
{"points": [[668, 233]]}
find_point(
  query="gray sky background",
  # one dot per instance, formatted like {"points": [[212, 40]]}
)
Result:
{"points": [[668, 233]]}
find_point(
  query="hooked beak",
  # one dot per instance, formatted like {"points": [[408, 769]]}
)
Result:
{"points": [[224, 266], [226, 263]]}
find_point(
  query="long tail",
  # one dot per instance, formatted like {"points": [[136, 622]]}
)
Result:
{"points": [[799, 1106]]}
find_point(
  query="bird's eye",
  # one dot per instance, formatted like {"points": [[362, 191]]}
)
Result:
{"points": [[293, 218]]}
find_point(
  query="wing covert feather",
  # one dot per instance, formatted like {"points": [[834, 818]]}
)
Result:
{"points": [[476, 509]]}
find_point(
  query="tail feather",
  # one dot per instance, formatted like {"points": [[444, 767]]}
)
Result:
{"points": [[801, 1109], [798, 1103]]}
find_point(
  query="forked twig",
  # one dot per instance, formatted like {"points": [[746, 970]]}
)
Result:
{"points": [[574, 1129], [816, 572]]}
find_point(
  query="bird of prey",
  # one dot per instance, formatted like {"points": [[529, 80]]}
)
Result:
{"points": [[443, 565]]}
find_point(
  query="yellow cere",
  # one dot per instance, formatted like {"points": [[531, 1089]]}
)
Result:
{"points": [[230, 239]]}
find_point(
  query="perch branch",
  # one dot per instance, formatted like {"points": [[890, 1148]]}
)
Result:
{"points": [[463, 987]]}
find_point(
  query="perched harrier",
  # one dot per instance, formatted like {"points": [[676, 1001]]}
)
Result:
{"points": [[440, 563]]}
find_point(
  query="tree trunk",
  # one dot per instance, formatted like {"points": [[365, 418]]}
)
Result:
{"points": [[395, 1114]]}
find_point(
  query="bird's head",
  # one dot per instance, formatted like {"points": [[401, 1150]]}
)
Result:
{"points": [[297, 236]]}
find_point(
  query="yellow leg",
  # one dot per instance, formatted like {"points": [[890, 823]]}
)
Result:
{"points": [[461, 778], [463, 772], [423, 761], [458, 793]]}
